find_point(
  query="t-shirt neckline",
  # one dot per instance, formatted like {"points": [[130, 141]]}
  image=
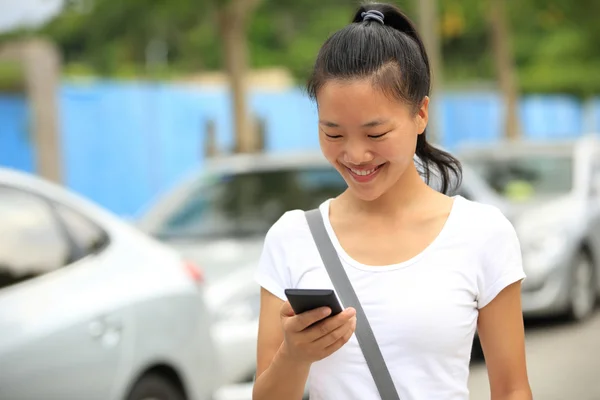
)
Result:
{"points": [[324, 209]]}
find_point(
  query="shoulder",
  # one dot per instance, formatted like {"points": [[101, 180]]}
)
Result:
{"points": [[484, 221], [289, 231], [288, 225]]}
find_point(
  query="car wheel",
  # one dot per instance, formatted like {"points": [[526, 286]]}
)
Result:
{"points": [[582, 294], [155, 387]]}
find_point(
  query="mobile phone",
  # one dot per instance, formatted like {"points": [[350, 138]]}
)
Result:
{"points": [[303, 300]]}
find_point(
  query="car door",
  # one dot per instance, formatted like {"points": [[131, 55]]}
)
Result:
{"points": [[58, 341]]}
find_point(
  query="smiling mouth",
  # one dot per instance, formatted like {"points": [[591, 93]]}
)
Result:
{"points": [[365, 172]]}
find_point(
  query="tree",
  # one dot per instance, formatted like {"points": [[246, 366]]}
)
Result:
{"points": [[41, 63], [233, 19], [429, 28], [505, 65]]}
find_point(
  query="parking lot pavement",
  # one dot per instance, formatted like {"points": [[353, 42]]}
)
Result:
{"points": [[563, 362]]}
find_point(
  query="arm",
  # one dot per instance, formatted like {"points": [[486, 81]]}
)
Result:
{"points": [[501, 332], [277, 377], [288, 344]]}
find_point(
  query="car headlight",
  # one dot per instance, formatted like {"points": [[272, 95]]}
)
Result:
{"points": [[541, 249], [548, 242]]}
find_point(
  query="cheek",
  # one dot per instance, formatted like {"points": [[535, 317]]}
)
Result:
{"points": [[329, 149], [398, 149]]}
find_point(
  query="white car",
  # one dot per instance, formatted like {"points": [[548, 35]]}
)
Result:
{"points": [[219, 216], [554, 192], [91, 308]]}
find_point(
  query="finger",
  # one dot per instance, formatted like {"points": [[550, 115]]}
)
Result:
{"points": [[286, 310], [306, 319], [335, 346], [329, 325], [338, 333]]}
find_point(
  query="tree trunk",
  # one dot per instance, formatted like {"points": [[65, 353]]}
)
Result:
{"points": [[42, 64], [430, 33], [233, 23], [505, 66]]}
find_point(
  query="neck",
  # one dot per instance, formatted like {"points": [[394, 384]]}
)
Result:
{"points": [[407, 192]]}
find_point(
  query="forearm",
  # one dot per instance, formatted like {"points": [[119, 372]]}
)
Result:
{"points": [[523, 394], [284, 379]]}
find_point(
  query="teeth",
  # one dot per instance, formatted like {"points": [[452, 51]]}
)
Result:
{"points": [[363, 172]]}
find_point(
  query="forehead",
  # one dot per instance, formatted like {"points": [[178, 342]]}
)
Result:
{"points": [[358, 98]]}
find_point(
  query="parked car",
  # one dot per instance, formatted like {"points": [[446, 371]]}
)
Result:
{"points": [[219, 216], [554, 190], [92, 308]]}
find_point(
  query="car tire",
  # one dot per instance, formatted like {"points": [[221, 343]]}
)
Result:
{"points": [[582, 292], [155, 387]]}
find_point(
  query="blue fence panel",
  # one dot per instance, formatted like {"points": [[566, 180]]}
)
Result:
{"points": [[291, 120], [473, 117], [593, 115], [16, 142], [123, 143], [106, 138], [179, 133], [551, 117], [214, 104]]}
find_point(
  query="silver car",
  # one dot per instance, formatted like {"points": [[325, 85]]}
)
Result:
{"points": [[91, 308], [219, 216], [554, 194]]}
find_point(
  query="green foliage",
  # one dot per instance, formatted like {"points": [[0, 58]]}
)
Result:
{"points": [[12, 78], [554, 41]]}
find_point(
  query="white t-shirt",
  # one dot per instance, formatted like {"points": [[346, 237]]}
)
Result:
{"points": [[423, 311]]}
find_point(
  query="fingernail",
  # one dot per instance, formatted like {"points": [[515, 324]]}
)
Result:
{"points": [[351, 311], [326, 311]]}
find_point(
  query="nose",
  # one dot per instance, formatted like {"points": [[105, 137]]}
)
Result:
{"points": [[357, 153]]}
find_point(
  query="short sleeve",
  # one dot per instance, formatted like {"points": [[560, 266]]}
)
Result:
{"points": [[501, 259], [273, 273]]}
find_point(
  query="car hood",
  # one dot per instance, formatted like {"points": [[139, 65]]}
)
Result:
{"points": [[220, 257], [561, 211]]}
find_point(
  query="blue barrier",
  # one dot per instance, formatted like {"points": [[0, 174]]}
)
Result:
{"points": [[551, 117], [16, 147], [123, 143], [593, 121]]}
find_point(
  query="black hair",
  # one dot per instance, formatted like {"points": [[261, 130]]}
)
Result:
{"points": [[393, 55]]}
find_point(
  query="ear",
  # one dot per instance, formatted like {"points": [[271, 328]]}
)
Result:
{"points": [[423, 115]]}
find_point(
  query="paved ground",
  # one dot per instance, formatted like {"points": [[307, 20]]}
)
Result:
{"points": [[563, 362]]}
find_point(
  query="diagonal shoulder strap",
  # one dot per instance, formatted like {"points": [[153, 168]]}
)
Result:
{"points": [[364, 333]]}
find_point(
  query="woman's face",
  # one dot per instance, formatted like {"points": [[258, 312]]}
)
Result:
{"points": [[369, 138]]}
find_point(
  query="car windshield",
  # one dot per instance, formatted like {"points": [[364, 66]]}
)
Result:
{"points": [[526, 177], [244, 204]]}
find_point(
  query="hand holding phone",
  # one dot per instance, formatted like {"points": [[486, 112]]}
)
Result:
{"points": [[315, 325], [303, 300]]}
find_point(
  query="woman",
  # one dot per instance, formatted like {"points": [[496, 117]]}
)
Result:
{"points": [[428, 268]]}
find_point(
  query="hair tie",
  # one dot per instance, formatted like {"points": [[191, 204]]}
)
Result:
{"points": [[372, 14]]}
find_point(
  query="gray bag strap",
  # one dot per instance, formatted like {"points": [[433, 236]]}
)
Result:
{"points": [[364, 333]]}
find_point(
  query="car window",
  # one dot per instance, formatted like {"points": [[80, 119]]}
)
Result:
{"points": [[31, 242], [245, 204], [524, 178], [88, 237]]}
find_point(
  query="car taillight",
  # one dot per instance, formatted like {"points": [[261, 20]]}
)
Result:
{"points": [[193, 271]]}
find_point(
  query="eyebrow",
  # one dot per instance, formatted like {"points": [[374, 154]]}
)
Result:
{"points": [[370, 124]]}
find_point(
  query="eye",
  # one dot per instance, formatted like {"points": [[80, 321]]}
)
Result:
{"points": [[331, 136], [378, 136]]}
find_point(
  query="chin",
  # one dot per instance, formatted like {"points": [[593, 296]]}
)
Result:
{"points": [[366, 195]]}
